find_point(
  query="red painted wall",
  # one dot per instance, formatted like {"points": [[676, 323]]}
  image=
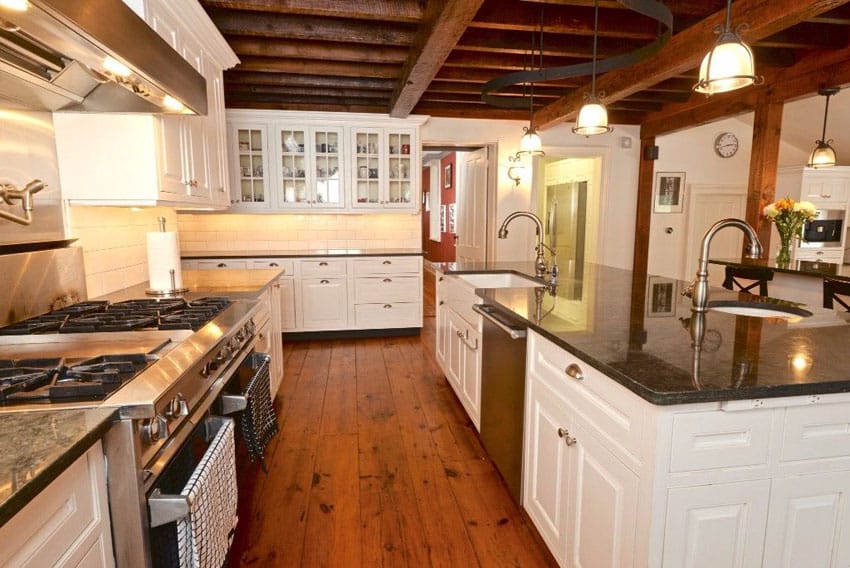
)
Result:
{"points": [[448, 185]]}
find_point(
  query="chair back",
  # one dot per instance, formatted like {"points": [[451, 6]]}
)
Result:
{"points": [[757, 275], [836, 291]]}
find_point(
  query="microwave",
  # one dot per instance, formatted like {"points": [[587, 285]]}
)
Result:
{"points": [[823, 231]]}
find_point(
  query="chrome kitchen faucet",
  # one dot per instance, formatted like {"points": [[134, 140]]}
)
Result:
{"points": [[540, 266]]}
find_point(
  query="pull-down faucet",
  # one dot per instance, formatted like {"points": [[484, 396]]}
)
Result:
{"points": [[540, 267], [699, 294]]}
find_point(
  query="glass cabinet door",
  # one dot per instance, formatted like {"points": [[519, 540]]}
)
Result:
{"points": [[293, 166], [367, 169], [400, 187], [328, 174], [250, 157]]}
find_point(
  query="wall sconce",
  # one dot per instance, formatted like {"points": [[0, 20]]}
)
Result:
{"points": [[515, 169]]}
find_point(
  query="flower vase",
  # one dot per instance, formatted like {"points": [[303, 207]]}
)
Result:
{"points": [[783, 256]]}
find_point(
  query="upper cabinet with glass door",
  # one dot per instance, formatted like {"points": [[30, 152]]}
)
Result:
{"points": [[310, 168], [250, 172], [399, 149], [366, 170]]}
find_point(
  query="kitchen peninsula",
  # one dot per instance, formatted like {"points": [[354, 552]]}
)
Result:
{"points": [[733, 453]]}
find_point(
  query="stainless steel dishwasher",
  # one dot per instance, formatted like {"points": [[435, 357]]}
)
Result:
{"points": [[503, 392]]}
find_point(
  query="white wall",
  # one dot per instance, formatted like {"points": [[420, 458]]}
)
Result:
{"points": [[619, 191]]}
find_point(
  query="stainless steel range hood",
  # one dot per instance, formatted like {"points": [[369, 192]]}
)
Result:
{"points": [[62, 55]]}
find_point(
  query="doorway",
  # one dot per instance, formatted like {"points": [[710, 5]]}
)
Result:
{"points": [[458, 202]]}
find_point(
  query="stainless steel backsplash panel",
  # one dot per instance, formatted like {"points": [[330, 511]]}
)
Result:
{"points": [[32, 283]]}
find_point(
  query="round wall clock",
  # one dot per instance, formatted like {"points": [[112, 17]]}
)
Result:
{"points": [[726, 144]]}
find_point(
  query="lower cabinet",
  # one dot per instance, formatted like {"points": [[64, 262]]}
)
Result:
{"points": [[287, 303], [324, 303], [610, 480], [66, 524]]}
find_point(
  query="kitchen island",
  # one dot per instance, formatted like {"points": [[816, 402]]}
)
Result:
{"points": [[641, 449]]}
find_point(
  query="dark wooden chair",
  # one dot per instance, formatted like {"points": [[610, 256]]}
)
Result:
{"points": [[836, 291], [754, 275]]}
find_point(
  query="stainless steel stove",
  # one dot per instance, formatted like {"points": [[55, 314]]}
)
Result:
{"points": [[161, 363]]}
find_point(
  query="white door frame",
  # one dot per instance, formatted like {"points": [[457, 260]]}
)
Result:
{"points": [[692, 191]]}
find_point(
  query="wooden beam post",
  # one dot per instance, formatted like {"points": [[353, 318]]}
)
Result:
{"points": [[764, 160], [637, 335]]}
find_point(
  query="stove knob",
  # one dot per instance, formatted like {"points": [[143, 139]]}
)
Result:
{"points": [[177, 407], [240, 335], [154, 428], [207, 369], [223, 355]]}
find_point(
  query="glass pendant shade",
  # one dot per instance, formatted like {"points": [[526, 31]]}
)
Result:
{"points": [[592, 118], [530, 144], [728, 66], [823, 156]]}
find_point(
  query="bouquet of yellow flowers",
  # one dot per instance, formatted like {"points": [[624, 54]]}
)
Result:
{"points": [[789, 217]]}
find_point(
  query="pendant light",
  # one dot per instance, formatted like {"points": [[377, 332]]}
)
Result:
{"points": [[823, 156], [530, 144], [729, 65], [593, 116]]}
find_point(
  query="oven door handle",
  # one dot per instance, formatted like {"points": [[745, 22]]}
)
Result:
{"points": [[167, 508], [232, 403]]}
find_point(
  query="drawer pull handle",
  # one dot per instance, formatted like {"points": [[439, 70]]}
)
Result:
{"points": [[387, 306], [221, 265], [387, 262], [324, 281], [565, 434], [274, 265], [323, 263], [388, 280], [574, 371]]}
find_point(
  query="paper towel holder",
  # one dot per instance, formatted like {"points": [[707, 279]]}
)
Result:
{"points": [[174, 291]]}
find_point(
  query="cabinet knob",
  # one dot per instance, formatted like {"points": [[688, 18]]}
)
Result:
{"points": [[221, 265], [387, 306], [324, 281], [574, 371], [459, 333], [388, 280], [565, 434], [323, 263], [274, 264], [387, 262], [442, 302]]}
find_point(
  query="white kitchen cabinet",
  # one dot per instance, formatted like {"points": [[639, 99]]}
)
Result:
{"points": [[249, 149], [154, 160], [324, 303], [276, 341], [610, 479], [442, 316], [828, 185], [287, 304], [332, 162], [67, 523], [833, 255]]}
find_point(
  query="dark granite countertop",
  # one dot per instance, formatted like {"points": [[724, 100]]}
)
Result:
{"points": [[798, 267], [298, 253], [638, 332], [37, 446]]}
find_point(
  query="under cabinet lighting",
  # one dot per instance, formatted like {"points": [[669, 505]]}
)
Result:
{"points": [[15, 5], [115, 67], [173, 104]]}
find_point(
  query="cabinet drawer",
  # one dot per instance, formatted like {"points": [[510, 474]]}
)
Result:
{"points": [[386, 289], [390, 314], [322, 267], [617, 414], [285, 266], [816, 432], [716, 439], [385, 265], [223, 264], [832, 255]]}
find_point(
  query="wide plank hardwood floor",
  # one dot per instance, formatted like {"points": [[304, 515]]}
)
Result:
{"points": [[377, 464]]}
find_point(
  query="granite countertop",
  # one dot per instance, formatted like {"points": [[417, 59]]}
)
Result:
{"points": [[638, 332], [799, 267], [37, 446], [299, 253]]}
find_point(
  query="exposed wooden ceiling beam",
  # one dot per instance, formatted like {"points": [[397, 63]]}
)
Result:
{"points": [[391, 10], [507, 61], [306, 49], [343, 69], [441, 28], [356, 107], [246, 91], [554, 45], [678, 7], [286, 79], [298, 27], [303, 100], [685, 51]]}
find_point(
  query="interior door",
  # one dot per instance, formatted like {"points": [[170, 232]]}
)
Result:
{"points": [[472, 206], [706, 208]]}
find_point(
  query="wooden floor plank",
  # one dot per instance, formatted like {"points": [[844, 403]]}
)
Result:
{"points": [[339, 413]]}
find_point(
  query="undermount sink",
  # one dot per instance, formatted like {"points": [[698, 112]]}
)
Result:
{"points": [[500, 280], [784, 310]]}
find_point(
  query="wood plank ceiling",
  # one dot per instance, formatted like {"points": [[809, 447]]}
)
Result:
{"points": [[433, 56]]}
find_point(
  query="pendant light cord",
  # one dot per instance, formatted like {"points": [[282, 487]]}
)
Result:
{"points": [[728, 27], [595, 36], [825, 114]]}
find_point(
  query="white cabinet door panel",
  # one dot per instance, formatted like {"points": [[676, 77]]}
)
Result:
{"points": [[809, 522], [386, 289], [324, 303], [287, 303], [716, 525]]}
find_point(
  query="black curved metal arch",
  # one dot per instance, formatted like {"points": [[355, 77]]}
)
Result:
{"points": [[649, 8]]}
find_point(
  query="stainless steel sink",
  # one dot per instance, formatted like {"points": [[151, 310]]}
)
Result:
{"points": [[500, 280], [759, 309]]}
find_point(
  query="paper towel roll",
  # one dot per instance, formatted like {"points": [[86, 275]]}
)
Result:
{"points": [[163, 257]]}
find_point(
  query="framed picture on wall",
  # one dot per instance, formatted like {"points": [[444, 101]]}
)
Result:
{"points": [[669, 192], [452, 218], [443, 218], [447, 177], [661, 297]]}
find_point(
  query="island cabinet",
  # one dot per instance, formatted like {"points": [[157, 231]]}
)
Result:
{"points": [[458, 347], [146, 159], [67, 523], [610, 479], [323, 162]]}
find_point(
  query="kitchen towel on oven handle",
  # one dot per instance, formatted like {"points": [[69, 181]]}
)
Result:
{"points": [[259, 423], [205, 534]]}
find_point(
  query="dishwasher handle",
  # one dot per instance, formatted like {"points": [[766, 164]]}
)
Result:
{"points": [[505, 326]]}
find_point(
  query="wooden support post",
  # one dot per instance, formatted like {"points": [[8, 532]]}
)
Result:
{"points": [[643, 217], [764, 159]]}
